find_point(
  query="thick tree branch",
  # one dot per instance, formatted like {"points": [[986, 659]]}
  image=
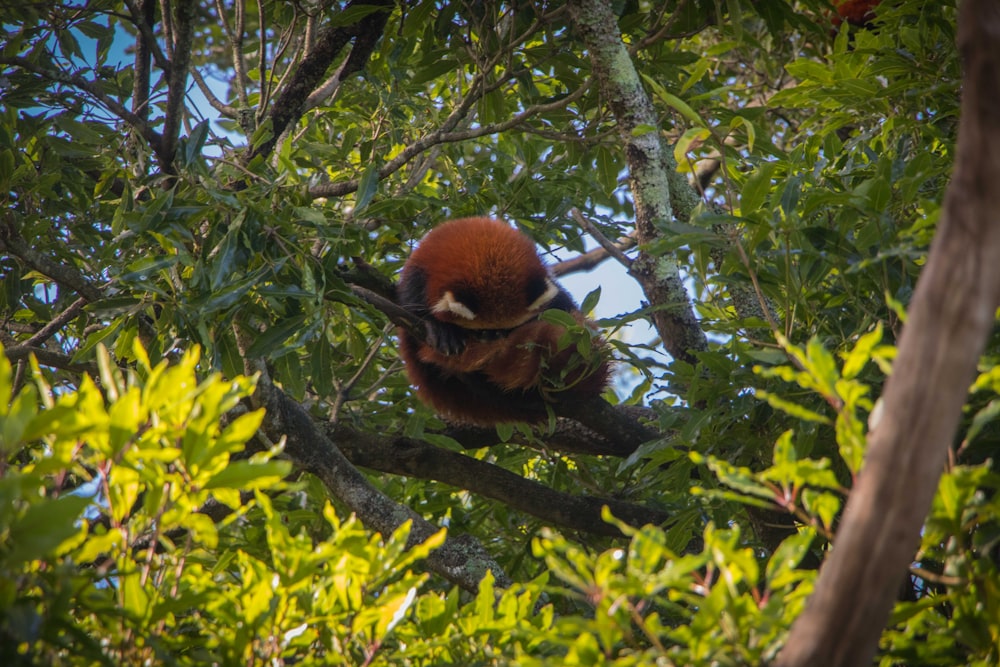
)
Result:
{"points": [[951, 315], [57, 323], [569, 436], [461, 559], [361, 51], [289, 105], [184, 17], [405, 456], [12, 242], [649, 167], [143, 16], [49, 358]]}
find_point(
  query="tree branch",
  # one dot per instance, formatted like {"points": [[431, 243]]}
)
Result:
{"points": [[361, 51], [615, 431], [569, 436], [56, 75], [405, 456], [602, 240], [461, 559], [143, 17], [591, 259], [289, 105], [49, 358], [184, 17], [445, 136], [649, 169], [57, 323], [951, 316], [12, 242]]}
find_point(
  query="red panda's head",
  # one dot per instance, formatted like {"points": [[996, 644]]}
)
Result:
{"points": [[482, 274]]}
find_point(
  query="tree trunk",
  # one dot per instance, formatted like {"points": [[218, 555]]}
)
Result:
{"points": [[950, 318]]}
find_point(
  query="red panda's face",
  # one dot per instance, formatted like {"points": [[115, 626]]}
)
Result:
{"points": [[482, 274], [476, 305]]}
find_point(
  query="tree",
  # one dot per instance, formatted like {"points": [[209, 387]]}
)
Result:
{"points": [[211, 455]]}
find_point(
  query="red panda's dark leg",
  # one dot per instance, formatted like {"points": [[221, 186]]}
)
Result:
{"points": [[468, 397], [444, 337]]}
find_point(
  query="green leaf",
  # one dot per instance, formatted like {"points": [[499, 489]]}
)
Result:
{"points": [[19, 415], [781, 568], [756, 188], [861, 353], [689, 142], [43, 528], [272, 339], [673, 101], [6, 385], [246, 475], [367, 187], [793, 409], [322, 363], [196, 141], [608, 169], [590, 301]]}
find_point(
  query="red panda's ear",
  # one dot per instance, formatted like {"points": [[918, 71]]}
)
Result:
{"points": [[449, 304], [549, 292]]}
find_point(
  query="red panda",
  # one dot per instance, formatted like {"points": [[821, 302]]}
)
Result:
{"points": [[856, 12], [479, 286]]}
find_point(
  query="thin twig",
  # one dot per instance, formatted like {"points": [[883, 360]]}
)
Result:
{"points": [[601, 239], [134, 120], [344, 391], [217, 104], [443, 136]]}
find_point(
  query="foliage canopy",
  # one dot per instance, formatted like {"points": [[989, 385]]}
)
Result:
{"points": [[193, 194]]}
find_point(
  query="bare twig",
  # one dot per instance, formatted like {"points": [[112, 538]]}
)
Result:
{"points": [[225, 109], [345, 389], [609, 247]]}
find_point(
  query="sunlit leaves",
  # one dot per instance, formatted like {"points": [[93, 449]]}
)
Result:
{"points": [[650, 603]]}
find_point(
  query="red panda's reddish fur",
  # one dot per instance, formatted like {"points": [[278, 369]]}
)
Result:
{"points": [[856, 12], [504, 364]]}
